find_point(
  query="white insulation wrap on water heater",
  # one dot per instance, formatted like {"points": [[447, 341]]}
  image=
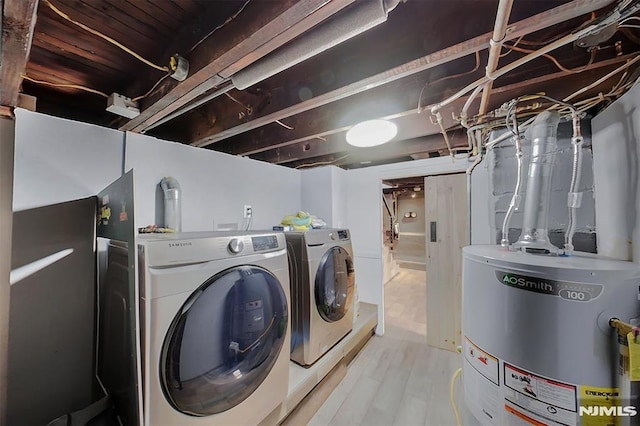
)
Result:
{"points": [[536, 337]]}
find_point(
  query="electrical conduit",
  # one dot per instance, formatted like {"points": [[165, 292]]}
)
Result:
{"points": [[574, 198], [515, 199]]}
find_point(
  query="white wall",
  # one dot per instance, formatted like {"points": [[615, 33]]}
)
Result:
{"points": [[59, 160], [215, 186], [324, 194], [317, 193], [364, 205], [616, 172], [7, 132], [339, 193]]}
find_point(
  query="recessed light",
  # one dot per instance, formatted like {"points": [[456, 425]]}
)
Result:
{"points": [[371, 133]]}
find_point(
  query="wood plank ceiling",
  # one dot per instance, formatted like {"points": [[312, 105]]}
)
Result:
{"points": [[423, 52]]}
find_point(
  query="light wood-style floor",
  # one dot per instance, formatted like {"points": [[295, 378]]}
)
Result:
{"points": [[396, 379]]}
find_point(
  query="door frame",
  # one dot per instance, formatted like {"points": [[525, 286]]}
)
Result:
{"points": [[456, 167]]}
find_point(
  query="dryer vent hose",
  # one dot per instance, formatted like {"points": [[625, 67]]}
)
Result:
{"points": [[172, 203]]}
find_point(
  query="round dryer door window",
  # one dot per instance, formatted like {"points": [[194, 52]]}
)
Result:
{"points": [[334, 284], [224, 341]]}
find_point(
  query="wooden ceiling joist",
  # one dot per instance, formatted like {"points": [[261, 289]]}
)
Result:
{"points": [[18, 22], [521, 28], [255, 33]]}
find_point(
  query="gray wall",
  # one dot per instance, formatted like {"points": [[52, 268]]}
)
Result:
{"points": [[7, 132], [499, 167], [616, 135], [51, 338]]}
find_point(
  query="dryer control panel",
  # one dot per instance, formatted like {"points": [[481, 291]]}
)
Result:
{"points": [[343, 234], [264, 242]]}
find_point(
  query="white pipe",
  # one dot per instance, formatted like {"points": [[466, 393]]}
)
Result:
{"points": [[510, 67], [497, 39], [467, 105]]}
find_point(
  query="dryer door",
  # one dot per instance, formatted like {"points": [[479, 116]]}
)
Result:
{"points": [[224, 341], [334, 284]]}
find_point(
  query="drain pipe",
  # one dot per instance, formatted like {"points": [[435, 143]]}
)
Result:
{"points": [[497, 39], [544, 144]]}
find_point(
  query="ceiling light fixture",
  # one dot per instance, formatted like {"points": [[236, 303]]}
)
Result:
{"points": [[371, 133]]}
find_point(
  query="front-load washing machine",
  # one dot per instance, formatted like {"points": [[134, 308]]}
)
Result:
{"points": [[322, 290], [214, 309]]}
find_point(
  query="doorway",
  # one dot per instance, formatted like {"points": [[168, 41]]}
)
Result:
{"points": [[405, 224], [424, 228]]}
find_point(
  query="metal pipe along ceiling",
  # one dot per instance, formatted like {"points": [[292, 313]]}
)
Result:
{"points": [[357, 19]]}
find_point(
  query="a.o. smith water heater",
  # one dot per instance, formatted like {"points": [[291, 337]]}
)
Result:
{"points": [[537, 342]]}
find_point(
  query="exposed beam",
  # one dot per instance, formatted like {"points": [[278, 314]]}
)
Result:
{"points": [[398, 149], [325, 122], [529, 25], [557, 84], [401, 98], [252, 35], [18, 22]]}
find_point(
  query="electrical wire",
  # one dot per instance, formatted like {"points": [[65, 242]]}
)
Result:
{"points": [[511, 50], [427, 84], [247, 107], [452, 398], [554, 60], [105, 37], [284, 125], [323, 163], [229, 19], [631, 18], [137, 98], [70, 86], [628, 26]]}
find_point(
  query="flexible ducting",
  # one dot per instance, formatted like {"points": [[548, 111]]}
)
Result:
{"points": [[543, 135], [361, 16]]}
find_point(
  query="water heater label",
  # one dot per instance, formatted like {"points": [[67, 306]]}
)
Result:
{"points": [[540, 397], [482, 362], [573, 291]]}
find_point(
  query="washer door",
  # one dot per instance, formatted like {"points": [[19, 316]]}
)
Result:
{"points": [[224, 341], [334, 284]]}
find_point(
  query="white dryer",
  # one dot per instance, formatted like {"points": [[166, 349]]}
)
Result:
{"points": [[215, 327], [322, 290]]}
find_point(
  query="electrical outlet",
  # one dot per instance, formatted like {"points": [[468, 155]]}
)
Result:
{"points": [[247, 211]]}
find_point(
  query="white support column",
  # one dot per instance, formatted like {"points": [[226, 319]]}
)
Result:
{"points": [[7, 139]]}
